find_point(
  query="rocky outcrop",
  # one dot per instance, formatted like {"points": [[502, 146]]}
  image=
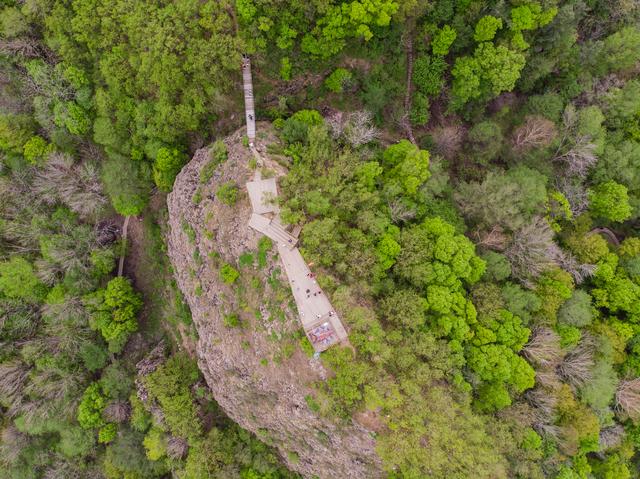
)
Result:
{"points": [[263, 395]]}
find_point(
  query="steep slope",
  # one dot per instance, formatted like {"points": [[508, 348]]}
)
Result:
{"points": [[256, 370]]}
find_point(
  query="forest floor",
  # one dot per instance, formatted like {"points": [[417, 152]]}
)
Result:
{"points": [[146, 264]]}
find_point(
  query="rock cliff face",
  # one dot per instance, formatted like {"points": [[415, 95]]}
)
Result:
{"points": [[257, 377]]}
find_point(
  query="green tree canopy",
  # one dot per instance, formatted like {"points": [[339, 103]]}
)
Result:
{"points": [[114, 311], [509, 200], [486, 28], [610, 200], [432, 254]]}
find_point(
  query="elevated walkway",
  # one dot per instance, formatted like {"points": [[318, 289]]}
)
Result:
{"points": [[250, 112], [321, 323], [272, 229], [262, 194], [314, 307]]}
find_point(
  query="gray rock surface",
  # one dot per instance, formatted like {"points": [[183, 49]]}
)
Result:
{"points": [[268, 400]]}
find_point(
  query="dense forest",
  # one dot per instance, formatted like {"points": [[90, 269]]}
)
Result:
{"points": [[466, 176]]}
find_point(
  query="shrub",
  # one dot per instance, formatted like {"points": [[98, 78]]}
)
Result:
{"points": [[569, 335], [93, 356], [166, 166], [116, 381], [125, 457], [36, 149], [18, 280], [531, 440], [231, 320], [296, 128], [229, 274], [510, 200], [228, 193], [577, 310], [12, 22], [599, 391], [126, 185], [72, 116], [76, 441], [498, 266], [140, 417], [312, 403], [155, 444], [107, 433], [492, 397], [428, 72], [218, 154], [246, 259], [338, 80], [486, 140], [91, 406], [115, 309], [285, 68], [548, 105], [442, 40], [103, 261], [554, 288], [419, 114], [170, 384], [15, 131]]}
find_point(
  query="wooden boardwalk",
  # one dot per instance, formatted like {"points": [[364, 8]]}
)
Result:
{"points": [[250, 112], [272, 228], [262, 194], [321, 323], [313, 305], [319, 320]]}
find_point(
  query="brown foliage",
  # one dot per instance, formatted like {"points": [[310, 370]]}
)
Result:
{"points": [[177, 447], [577, 366], [611, 437], [579, 158], [13, 376], [12, 442], [576, 194], [532, 250], [76, 185], [628, 398], [356, 128], [536, 132], [117, 411], [544, 348], [495, 239], [448, 140], [25, 47], [544, 402], [152, 360], [579, 271], [400, 211]]}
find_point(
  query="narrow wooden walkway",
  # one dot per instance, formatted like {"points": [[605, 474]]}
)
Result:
{"points": [[250, 113], [272, 229]]}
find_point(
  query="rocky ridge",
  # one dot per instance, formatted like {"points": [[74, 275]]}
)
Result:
{"points": [[265, 397]]}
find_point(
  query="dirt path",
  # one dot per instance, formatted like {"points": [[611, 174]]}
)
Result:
{"points": [[123, 252]]}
